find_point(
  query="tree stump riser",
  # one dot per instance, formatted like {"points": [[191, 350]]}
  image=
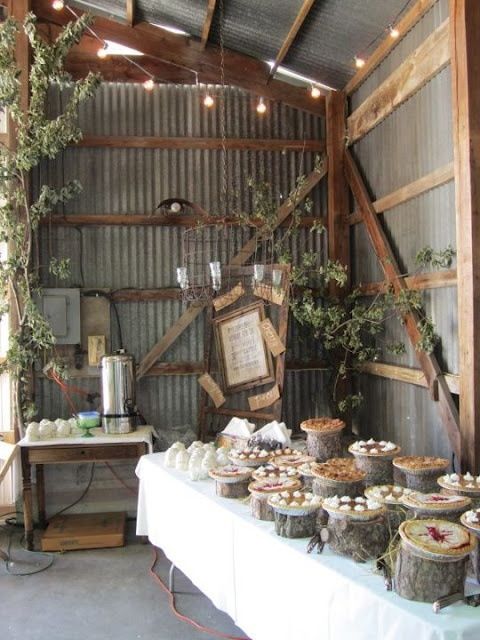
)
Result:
{"points": [[232, 489], [296, 526], [356, 539], [324, 447], [260, 508], [325, 489], [379, 470], [425, 482]]}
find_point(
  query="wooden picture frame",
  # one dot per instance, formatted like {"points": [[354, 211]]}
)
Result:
{"points": [[244, 360]]}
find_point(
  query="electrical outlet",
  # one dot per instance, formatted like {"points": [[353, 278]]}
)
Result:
{"points": [[96, 349]]}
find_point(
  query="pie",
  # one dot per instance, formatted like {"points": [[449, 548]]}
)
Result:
{"points": [[305, 469], [272, 471], [291, 501], [230, 473], [471, 519], [274, 486], [322, 425], [294, 459], [250, 456], [435, 501], [417, 464], [457, 481], [387, 493], [339, 469], [373, 448], [355, 508], [437, 537]]}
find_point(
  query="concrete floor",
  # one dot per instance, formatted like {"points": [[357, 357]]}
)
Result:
{"points": [[102, 594]]}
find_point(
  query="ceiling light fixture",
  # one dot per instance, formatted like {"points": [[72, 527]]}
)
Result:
{"points": [[359, 62], [103, 52], [261, 107], [315, 92], [208, 101], [394, 33], [58, 5], [149, 84]]}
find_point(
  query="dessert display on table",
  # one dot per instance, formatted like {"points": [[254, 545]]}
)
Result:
{"points": [[231, 481], [471, 520], [290, 457], [390, 495], [295, 513], [273, 471], [356, 526], [375, 459], [250, 456], [323, 437], [436, 505], [419, 472], [461, 484], [431, 561], [262, 490], [338, 476]]}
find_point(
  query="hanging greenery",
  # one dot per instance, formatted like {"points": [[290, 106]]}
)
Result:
{"points": [[37, 137]]}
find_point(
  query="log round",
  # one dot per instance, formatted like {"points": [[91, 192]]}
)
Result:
{"points": [[294, 526], [329, 488], [417, 578], [358, 539], [232, 489], [324, 446], [260, 508], [379, 469]]}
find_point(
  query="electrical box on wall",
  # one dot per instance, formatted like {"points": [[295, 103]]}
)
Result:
{"points": [[61, 309]]}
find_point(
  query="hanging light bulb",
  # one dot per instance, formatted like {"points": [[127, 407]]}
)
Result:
{"points": [[208, 101], [58, 5], [261, 106], [103, 52], [315, 92], [359, 62], [394, 33], [216, 274], [149, 84], [182, 277]]}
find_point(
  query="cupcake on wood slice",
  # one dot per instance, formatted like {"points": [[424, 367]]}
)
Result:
{"points": [[462, 485], [436, 505], [390, 495], [356, 527], [375, 458], [431, 561], [249, 457], [231, 481], [323, 437], [419, 473], [271, 471], [338, 476], [262, 490], [295, 513], [471, 520]]}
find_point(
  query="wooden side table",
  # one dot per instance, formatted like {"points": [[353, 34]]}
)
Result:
{"points": [[39, 455]]}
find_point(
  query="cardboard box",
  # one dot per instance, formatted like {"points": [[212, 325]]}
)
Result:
{"points": [[85, 531]]}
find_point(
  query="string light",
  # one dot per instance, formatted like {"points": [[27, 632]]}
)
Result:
{"points": [[359, 62], [58, 5], [208, 101], [315, 92], [103, 52], [149, 84], [394, 33], [261, 106]]}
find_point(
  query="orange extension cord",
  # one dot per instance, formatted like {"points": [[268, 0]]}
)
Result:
{"points": [[180, 616]]}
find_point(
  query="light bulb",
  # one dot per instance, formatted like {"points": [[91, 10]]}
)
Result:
{"points": [[315, 92], [261, 106], [149, 84], [216, 274], [359, 62], [394, 33], [58, 5], [102, 52], [208, 101]]}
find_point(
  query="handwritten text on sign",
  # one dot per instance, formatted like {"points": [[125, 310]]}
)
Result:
{"points": [[272, 338]]}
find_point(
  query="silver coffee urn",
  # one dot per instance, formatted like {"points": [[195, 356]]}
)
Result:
{"points": [[118, 393]]}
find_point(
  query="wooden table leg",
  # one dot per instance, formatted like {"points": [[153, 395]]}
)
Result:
{"points": [[42, 519], [27, 498]]}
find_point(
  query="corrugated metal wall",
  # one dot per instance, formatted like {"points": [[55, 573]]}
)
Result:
{"points": [[134, 181], [413, 141]]}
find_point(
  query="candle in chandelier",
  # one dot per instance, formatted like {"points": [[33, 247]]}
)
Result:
{"points": [[216, 273], [276, 278]]}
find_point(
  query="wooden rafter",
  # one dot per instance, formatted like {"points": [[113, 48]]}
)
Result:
{"points": [[428, 363], [410, 76], [242, 256], [240, 70], [404, 25], [130, 12], [208, 22], [465, 30], [291, 35], [419, 282]]}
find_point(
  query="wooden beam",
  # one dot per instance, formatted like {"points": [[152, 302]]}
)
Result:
{"points": [[407, 22], [406, 374], [428, 362], [242, 256], [240, 70], [419, 282], [465, 30], [207, 22], [130, 12], [412, 190], [154, 220], [422, 65], [291, 35], [238, 144]]}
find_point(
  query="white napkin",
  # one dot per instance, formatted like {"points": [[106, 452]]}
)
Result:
{"points": [[275, 431], [239, 427]]}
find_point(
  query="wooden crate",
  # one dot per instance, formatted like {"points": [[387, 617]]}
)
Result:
{"points": [[85, 531]]}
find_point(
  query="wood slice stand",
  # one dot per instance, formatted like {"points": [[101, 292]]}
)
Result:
{"points": [[357, 539], [232, 489], [425, 482], [379, 469], [329, 488], [417, 578], [295, 526], [324, 446], [260, 508]]}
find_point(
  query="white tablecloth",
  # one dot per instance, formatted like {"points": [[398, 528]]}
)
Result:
{"points": [[141, 434], [269, 585]]}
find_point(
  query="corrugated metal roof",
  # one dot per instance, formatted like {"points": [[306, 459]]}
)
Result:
{"points": [[332, 34]]}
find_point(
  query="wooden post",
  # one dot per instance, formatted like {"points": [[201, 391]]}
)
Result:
{"points": [[465, 58]]}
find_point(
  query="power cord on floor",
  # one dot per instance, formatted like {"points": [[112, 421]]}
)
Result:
{"points": [[9, 561], [180, 616]]}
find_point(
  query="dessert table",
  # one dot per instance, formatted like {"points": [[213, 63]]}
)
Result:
{"points": [[269, 585]]}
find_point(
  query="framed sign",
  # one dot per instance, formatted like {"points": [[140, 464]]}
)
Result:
{"points": [[242, 355]]}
